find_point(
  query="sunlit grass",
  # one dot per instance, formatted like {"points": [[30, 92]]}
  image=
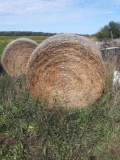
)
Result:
{"points": [[8, 39]]}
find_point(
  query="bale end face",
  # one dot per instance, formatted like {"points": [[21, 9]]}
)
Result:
{"points": [[67, 72], [16, 54]]}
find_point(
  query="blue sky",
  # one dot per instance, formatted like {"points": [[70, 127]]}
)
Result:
{"points": [[58, 16]]}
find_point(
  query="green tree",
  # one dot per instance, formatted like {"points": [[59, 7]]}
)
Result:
{"points": [[113, 28], [104, 32]]}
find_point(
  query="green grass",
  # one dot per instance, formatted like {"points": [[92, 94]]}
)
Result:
{"points": [[28, 131], [8, 39], [2, 46]]}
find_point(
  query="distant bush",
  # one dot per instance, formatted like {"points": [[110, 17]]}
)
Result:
{"points": [[112, 29]]}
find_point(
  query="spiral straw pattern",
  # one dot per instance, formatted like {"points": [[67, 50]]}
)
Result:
{"points": [[66, 69], [16, 55]]}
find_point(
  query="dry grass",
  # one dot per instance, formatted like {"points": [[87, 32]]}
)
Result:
{"points": [[16, 54], [66, 69]]}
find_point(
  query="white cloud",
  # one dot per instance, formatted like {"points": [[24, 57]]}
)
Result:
{"points": [[39, 11], [52, 6], [21, 6], [117, 2], [57, 12]]}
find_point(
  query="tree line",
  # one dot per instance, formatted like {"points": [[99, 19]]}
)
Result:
{"points": [[111, 30], [30, 33], [24, 33]]}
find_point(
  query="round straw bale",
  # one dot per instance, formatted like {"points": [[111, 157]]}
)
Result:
{"points": [[66, 69], [16, 54]]}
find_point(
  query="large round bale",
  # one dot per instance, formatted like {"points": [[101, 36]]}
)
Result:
{"points": [[16, 54], [66, 69]]}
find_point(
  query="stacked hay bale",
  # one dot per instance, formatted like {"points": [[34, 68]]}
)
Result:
{"points": [[66, 69], [16, 54]]}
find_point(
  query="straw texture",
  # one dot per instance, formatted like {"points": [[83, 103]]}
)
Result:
{"points": [[16, 54], [66, 69]]}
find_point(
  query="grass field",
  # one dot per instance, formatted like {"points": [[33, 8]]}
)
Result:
{"points": [[4, 40], [28, 131], [10, 38]]}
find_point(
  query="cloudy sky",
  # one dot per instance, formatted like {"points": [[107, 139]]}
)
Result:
{"points": [[60, 16]]}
